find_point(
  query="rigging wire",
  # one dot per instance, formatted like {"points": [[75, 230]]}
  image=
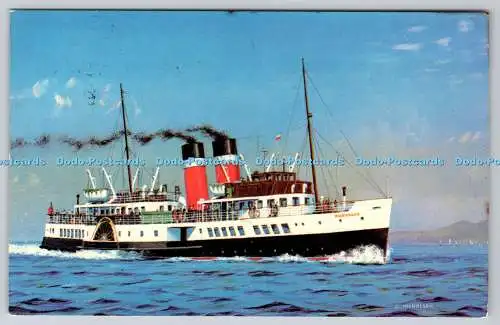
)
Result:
{"points": [[335, 184], [287, 134], [370, 180], [322, 170]]}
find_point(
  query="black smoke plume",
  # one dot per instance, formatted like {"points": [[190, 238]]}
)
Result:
{"points": [[209, 131], [166, 134], [41, 141], [78, 144]]}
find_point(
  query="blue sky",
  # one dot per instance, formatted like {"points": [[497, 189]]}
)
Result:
{"points": [[413, 83]]}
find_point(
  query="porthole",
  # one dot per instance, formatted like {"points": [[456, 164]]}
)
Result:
{"points": [[340, 220], [296, 224], [319, 222], [302, 223], [362, 218]]}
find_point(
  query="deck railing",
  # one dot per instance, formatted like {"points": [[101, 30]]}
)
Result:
{"points": [[168, 217]]}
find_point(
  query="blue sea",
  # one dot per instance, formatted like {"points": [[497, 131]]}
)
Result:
{"points": [[418, 280]]}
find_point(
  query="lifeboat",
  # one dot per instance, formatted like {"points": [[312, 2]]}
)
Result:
{"points": [[96, 195]]}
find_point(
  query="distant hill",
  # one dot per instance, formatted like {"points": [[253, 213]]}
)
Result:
{"points": [[462, 231]]}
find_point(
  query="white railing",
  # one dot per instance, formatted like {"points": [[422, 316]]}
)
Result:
{"points": [[201, 216]]}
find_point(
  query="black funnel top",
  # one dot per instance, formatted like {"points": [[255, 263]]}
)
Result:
{"points": [[222, 147], [193, 150]]}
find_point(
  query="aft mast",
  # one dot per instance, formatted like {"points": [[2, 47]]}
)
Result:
{"points": [[309, 133], [127, 153]]}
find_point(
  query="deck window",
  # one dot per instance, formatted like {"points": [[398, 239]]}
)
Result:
{"points": [[295, 201], [129, 233], [210, 232], [169, 207], [142, 233], [162, 208], [306, 201], [60, 232], [242, 204], [217, 232], [285, 228], [275, 229], [270, 203], [224, 231], [256, 230], [119, 234], [283, 202], [265, 228], [231, 231], [72, 233], [241, 231], [259, 204], [156, 233]]}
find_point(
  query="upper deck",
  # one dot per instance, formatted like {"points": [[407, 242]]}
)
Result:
{"points": [[268, 183]]}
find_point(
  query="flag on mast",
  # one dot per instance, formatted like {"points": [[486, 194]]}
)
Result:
{"points": [[277, 137]]}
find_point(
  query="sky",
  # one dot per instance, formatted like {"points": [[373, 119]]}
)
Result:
{"points": [[408, 85]]}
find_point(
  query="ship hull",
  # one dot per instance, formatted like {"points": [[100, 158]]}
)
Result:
{"points": [[306, 245]]}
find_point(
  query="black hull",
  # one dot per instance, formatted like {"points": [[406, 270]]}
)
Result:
{"points": [[304, 245]]}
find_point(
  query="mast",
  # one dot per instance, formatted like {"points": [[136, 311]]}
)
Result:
{"points": [[309, 133], [127, 153]]}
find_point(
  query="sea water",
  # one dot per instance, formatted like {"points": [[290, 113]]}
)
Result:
{"points": [[417, 280]]}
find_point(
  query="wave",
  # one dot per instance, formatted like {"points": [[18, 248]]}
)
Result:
{"points": [[35, 250], [360, 255]]}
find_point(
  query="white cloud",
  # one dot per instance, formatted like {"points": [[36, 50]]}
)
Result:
{"points": [[40, 87], [71, 83], [477, 75], [407, 47], [441, 62], [454, 80], [62, 102], [114, 106], [465, 25], [466, 137], [476, 136], [417, 29], [443, 41], [431, 70], [137, 109], [470, 136]]}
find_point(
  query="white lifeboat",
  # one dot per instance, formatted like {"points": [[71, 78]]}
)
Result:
{"points": [[96, 194]]}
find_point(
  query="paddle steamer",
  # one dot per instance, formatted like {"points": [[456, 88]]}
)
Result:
{"points": [[265, 213]]}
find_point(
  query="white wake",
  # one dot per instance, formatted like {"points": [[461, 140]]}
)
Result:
{"points": [[35, 250], [361, 255]]}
